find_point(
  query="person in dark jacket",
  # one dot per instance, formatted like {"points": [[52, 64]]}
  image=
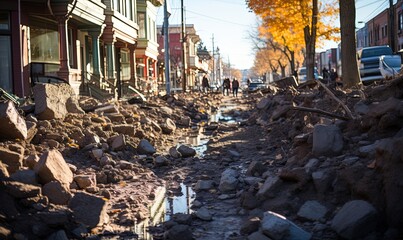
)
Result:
{"points": [[205, 84], [225, 86], [235, 86]]}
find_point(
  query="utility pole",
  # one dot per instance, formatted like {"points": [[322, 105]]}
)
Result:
{"points": [[213, 77], [392, 26], [166, 47], [218, 66], [184, 60]]}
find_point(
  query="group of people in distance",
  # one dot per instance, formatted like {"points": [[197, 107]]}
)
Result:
{"points": [[227, 86]]}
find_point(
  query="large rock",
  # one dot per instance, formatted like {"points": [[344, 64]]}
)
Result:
{"points": [[13, 159], [204, 214], [21, 190], [51, 100], [25, 176], [168, 126], [53, 167], [263, 104], [277, 227], [85, 181], [12, 124], [57, 193], [186, 151], [179, 232], [327, 140], [378, 109], [119, 143], [389, 161], [229, 180], [89, 209], [267, 190], [125, 129], [145, 147], [312, 210], [355, 219]]}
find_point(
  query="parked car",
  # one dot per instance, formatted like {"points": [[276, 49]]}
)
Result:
{"points": [[256, 85], [390, 65], [368, 62], [302, 74]]}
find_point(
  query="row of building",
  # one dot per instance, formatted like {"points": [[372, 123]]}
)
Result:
{"points": [[98, 46]]}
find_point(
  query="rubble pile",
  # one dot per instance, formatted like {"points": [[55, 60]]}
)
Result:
{"points": [[77, 167], [328, 161], [309, 163]]}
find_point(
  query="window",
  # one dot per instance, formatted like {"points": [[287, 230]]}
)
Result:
{"points": [[71, 47], [142, 24], [44, 45], [400, 21], [5, 63], [125, 65], [5, 52], [140, 67], [4, 21]]}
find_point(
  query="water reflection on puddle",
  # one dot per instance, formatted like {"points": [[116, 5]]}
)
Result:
{"points": [[163, 209], [181, 203]]}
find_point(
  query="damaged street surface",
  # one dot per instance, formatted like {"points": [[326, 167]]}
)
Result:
{"points": [[288, 162]]}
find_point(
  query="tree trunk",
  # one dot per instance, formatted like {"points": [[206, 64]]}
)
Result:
{"points": [[351, 76], [310, 41]]}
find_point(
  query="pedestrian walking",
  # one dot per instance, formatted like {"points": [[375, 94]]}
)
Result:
{"points": [[225, 86], [333, 75], [235, 86], [205, 84]]}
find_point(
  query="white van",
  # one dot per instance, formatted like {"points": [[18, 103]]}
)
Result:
{"points": [[390, 65]]}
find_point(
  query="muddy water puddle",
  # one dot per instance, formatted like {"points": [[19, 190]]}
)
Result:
{"points": [[167, 205]]}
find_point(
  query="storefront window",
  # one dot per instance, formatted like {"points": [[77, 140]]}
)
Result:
{"points": [[5, 63], [5, 53], [4, 21], [44, 45]]}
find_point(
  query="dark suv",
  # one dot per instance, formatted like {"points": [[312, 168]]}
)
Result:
{"points": [[368, 62]]}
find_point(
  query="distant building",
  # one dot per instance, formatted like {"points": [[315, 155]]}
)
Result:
{"points": [[195, 66]]}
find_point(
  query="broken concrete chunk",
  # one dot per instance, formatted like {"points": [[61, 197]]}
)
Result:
{"points": [[51, 99], [277, 226], [53, 167], [125, 129], [355, 219], [312, 210], [145, 147], [57, 193], [229, 180], [13, 126], [13, 159], [186, 151], [21, 190], [119, 143], [327, 140], [89, 209], [25, 176], [85, 181]]}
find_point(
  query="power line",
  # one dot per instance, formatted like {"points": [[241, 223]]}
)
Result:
{"points": [[368, 4], [375, 10]]}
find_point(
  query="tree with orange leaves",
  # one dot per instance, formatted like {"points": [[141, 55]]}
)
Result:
{"points": [[297, 24]]}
